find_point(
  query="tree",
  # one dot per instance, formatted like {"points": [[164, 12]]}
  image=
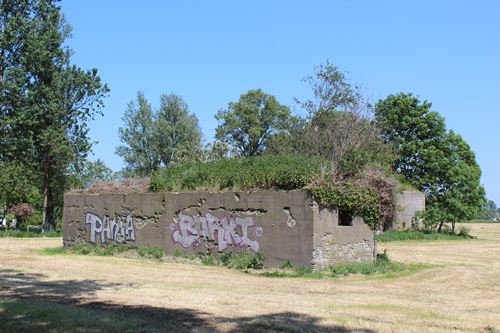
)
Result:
{"points": [[18, 184], [140, 149], [489, 210], [178, 135], [332, 91], [48, 101], [339, 126], [91, 172], [436, 161], [16, 24], [417, 135], [249, 124], [460, 192]]}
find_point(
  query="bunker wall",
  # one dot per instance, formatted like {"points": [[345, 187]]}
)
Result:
{"points": [[408, 203], [283, 225]]}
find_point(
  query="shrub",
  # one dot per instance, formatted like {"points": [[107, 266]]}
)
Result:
{"points": [[243, 260], [286, 264], [352, 197], [154, 252], [22, 211], [285, 172]]}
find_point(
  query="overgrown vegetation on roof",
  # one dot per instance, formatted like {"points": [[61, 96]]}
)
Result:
{"points": [[368, 195], [285, 172]]}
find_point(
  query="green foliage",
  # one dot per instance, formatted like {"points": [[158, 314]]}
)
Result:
{"points": [[436, 161], [285, 172], [383, 266], [19, 183], [248, 125], [350, 197], [489, 210], [286, 264], [45, 102], [28, 234], [154, 138], [154, 252], [339, 127], [177, 133], [402, 235], [210, 260], [139, 150], [91, 172], [40, 315], [35, 219], [282, 172], [348, 139], [332, 91], [242, 260], [106, 250]]}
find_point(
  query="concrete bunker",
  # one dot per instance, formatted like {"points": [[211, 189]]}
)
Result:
{"points": [[283, 225]]}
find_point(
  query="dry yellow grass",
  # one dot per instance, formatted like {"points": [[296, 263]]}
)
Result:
{"points": [[460, 294]]}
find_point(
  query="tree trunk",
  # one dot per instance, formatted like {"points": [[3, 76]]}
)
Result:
{"points": [[440, 226], [49, 220], [48, 216]]}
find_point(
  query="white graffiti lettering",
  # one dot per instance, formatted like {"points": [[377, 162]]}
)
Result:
{"points": [[231, 231], [117, 230]]}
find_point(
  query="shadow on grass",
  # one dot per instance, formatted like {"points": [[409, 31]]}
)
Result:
{"points": [[27, 303]]}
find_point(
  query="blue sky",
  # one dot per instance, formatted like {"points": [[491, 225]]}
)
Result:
{"points": [[210, 52]]}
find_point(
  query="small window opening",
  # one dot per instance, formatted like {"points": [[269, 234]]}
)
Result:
{"points": [[345, 218]]}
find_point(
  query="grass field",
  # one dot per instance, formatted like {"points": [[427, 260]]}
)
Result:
{"points": [[460, 292]]}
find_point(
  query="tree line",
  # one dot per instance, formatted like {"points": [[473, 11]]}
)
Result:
{"points": [[47, 103], [399, 135]]}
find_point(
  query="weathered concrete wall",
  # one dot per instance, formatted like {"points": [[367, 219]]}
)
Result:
{"points": [[334, 243], [282, 225], [407, 204]]}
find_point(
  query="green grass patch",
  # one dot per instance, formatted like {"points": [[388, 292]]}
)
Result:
{"points": [[236, 260], [105, 250], [382, 267], [16, 233], [150, 252], [402, 235], [34, 316]]}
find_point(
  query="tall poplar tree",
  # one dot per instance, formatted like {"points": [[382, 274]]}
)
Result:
{"points": [[177, 132], [46, 101], [139, 149]]}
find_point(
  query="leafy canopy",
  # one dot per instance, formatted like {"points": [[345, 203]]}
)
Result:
{"points": [[178, 135], [137, 134], [248, 125], [436, 161], [46, 102], [154, 138]]}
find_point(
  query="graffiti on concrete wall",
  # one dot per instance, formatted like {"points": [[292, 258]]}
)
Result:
{"points": [[229, 230], [116, 229]]}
